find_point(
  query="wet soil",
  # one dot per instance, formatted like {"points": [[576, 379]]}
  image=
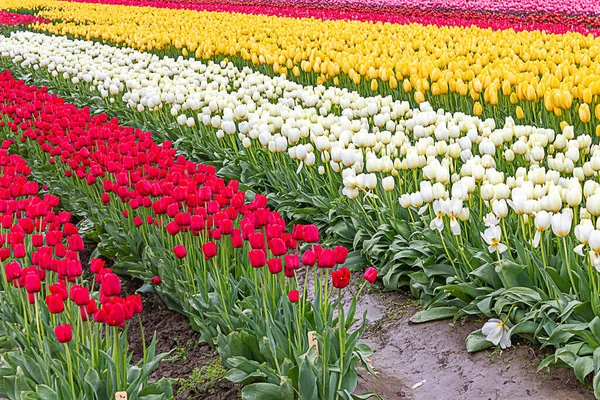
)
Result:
{"points": [[196, 367], [414, 361], [433, 357]]}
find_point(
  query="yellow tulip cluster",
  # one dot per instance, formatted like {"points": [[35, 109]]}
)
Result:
{"points": [[558, 71]]}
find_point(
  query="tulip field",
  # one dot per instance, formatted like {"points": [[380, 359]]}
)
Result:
{"points": [[262, 166]]}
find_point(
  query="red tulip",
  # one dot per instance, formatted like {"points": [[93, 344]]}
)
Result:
{"points": [[370, 274], [340, 278], [209, 249], [179, 251], [80, 295], [96, 265], [292, 261], [275, 265], [257, 257], [59, 289], [55, 304], [341, 253], [311, 233], [156, 280], [111, 285], [33, 283], [63, 333], [115, 314], [12, 271], [257, 240], [309, 258], [237, 241], [277, 247], [293, 296], [326, 258]]}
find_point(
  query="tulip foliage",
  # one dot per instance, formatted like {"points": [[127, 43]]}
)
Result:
{"points": [[61, 340], [225, 262]]}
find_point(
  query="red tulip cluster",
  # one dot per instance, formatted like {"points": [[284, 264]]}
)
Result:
{"points": [[12, 19], [40, 250], [495, 15], [149, 180]]}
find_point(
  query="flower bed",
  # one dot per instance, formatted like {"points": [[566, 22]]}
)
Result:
{"points": [[226, 263], [63, 338], [466, 207]]}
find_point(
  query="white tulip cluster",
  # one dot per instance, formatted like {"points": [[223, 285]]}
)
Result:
{"points": [[433, 159]]}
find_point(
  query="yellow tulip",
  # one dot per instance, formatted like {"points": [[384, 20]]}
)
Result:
{"points": [[584, 113], [374, 85], [520, 114], [477, 109], [419, 97]]}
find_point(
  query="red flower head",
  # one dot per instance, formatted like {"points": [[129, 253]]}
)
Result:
{"points": [[275, 265], [293, 296], [311, 233], [75, 243], [340, 278], [179, 251], [18, 251], [209, 249], [237, 241], [370, 274], [292, 261], [96, 265], [257, 257], [257, 240], [327, 258], [59, 289], [341, 253], [111, 285], [55, 303], [12, 270], [115, 314], [80, 295], [33, 283], [156, 280], [309, 258], [277, 247], [63, 333], [173, 228]]}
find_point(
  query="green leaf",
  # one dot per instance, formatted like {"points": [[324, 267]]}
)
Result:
{"points": [[583, 367], [262, 391], [476, 341], [307, 382], [46, 393], [434, 314], [513, 275]]}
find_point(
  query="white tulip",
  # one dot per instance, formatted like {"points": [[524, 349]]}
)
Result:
{"points": [[561, 224]]}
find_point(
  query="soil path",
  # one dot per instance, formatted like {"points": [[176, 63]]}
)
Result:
{"points": [[435, 353]]}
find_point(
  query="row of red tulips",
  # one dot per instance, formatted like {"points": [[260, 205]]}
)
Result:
{"points": [[12, 19], [60, 329], [552, 22], [225, 261]]}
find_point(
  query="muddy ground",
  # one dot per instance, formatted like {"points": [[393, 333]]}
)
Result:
{"points": [[405, 354], [435, 354], [196, 367]]}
